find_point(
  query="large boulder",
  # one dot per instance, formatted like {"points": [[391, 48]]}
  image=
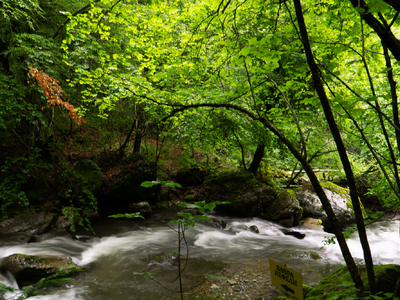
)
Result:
{"points": [[285, 210], [249, 198], [28, 269], [340, 201], [191, 176], [143, 208], [126, 188], [21, 228], [33, 228]]}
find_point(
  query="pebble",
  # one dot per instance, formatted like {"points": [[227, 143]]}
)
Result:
{"points": [[246, 281]]}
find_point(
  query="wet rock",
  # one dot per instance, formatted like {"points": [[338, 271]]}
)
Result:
{"points": [[254, 228], [23, 227], [220, 224], [249, 198], [308, 255], [285, 210], [312, 223], [386, 277], [296, 234], [143, 207], [28, 269], [339, 199]]}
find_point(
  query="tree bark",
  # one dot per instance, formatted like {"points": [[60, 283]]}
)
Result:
{"points": [[258, 155], [343, 157]]}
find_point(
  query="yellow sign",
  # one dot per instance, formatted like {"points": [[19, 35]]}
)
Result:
{"points": [[286, 280]]}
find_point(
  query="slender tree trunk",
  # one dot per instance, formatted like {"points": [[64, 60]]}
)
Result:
{"points": [[121, 149], [137, 144], [395, 106], [258, 155], [343, 156]]}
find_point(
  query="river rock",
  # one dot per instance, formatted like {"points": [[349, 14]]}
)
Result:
{"points": [[296, 234], [339, 199], [21, 228], [143, 207], [28, 269], [311, 223], [249, 198], [254, 228], [220, 224]]}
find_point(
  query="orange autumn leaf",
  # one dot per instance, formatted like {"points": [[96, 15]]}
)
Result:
{"points": [[54, 93]]}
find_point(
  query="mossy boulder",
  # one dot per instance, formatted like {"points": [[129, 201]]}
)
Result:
{"points": [[190, 176], [285, 210], [28, 269], [340, 201], [249, 197], [339, 285], [126, 188]]}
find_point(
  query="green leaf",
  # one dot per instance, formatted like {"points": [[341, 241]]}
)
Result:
{"points": [[248, 60], [148, 184], [212, 276], [332, 66], [184, 215], [288, 28], [245, 51], [252, 41]]}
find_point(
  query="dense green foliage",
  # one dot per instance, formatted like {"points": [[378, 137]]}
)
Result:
{"points": [[226, 79]]}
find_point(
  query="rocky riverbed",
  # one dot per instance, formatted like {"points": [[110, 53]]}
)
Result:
{"points": [[246, 281]]}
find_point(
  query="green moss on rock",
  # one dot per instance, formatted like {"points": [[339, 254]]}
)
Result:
{"points": [[339, 285]]}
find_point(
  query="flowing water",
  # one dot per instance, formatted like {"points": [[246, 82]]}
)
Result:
{"points": [[122, 247]]}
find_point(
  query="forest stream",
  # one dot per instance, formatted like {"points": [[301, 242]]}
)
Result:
{"points": [[122, 247]]}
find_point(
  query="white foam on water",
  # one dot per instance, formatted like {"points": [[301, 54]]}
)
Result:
{"points": [[383, 238], [119, 244], [56, 246]]}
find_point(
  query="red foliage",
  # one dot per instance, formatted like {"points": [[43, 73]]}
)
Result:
{"points": [[54, 93]]}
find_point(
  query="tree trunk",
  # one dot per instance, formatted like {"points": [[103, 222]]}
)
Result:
{"points": [[138, 142], [258, 155], [343, 157]]}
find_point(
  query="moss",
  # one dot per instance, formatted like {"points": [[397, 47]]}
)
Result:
{"points": [[292, 193], [315, 255], [336, 189], [339, 285], [343, 192], [24, 255], [234, 180]]}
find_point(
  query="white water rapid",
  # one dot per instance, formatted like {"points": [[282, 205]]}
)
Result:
{"points": [[122, 247]]}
